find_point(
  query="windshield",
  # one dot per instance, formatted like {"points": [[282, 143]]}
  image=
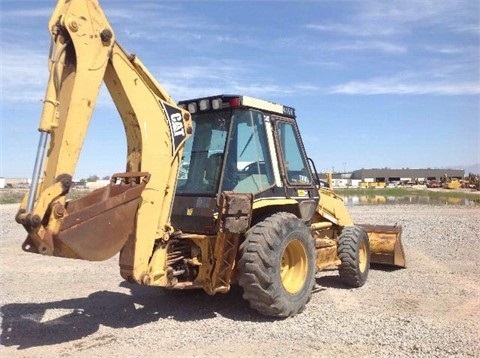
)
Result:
{"points": [[248, 167], [202, 156]]}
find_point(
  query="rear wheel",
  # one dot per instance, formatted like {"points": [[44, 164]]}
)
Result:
{"points": [[354, 254], [277, 265]]}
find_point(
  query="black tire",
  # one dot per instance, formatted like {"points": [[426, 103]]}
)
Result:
{"points": [[277, 266], [354, 254]]}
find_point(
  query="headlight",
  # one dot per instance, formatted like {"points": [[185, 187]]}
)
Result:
{"points": [[192, 107], [217, 103], [204, 104]]}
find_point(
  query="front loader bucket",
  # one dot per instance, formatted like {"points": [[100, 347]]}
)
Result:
{"points": [[385, 244], [96, 226]]}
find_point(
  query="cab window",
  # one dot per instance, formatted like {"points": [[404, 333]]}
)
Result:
{"points": [[202, 158], [294, 162], [248, 167]]}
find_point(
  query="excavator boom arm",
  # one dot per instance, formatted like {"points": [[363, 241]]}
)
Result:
{"points": [[84, 53]]}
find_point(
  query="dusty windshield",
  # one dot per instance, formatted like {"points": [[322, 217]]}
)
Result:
{"points": [[248, 167], [202, 157]]}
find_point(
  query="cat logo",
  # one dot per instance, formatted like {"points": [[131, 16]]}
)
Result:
{"points": [[175, 120], [177, 125]]}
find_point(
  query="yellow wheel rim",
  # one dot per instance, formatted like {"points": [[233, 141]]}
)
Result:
{"points": [[362, 257], [293, 271]]}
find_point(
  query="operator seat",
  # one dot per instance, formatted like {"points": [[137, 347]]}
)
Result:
{"points": [[212, 169]]}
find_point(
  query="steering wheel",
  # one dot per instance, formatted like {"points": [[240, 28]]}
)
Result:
{"points": [[253, 168]]}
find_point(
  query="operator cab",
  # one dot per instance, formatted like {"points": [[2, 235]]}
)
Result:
{"points": [[238, 144]]}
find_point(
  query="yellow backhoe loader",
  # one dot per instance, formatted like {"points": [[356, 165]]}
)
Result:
{"points": [[217, 190]]}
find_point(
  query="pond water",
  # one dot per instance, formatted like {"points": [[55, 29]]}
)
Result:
{"points": [[353, 200]]}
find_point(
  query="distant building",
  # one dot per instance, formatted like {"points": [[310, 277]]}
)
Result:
{"points": [[405, 175], [16, 182], [339, 180], [389, 176], [2, 183]]}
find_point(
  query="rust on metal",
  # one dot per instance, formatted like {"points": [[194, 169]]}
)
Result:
{"points": [[96, 226], [235, 212], [234, 219], [326, 253]]}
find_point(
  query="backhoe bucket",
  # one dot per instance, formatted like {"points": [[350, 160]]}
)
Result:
{"points": [[96, 226], [385, 244]]}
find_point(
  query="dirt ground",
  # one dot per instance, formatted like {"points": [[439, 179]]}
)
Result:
{"points": [[54, 307]]}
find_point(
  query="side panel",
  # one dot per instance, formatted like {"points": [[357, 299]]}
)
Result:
{"points": [[156, 130]]}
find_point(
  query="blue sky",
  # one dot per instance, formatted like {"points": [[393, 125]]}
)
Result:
{"points": [[374, 83]]}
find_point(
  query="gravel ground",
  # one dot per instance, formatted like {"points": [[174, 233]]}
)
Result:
{"points": [[59, 307]]}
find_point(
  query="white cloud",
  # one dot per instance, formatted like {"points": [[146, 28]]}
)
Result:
{"points": [[380, 46], [27, 13], [219, 78], [402, 86], [24, 75], [468, 28], [425, 13], [390, 18], [351, 29], [447, 50], [407, 10]]}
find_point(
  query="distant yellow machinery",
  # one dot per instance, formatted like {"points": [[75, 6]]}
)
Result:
{"points": [[217, 190], [450, 183]]}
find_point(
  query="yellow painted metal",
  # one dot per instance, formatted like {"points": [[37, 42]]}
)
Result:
{"points": [[332, 208], [157, 272], [385, 241], [206, 243], [294, 266], [385, 244], [39, 237], [362, 257], [224, 257], [321, 225], [329, 179], [74, 82], [262, 203], [326, 250], [149, 143], [84, 54], [452, 184]]}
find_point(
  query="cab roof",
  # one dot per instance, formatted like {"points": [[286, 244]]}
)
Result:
{"points": [[223, 101]]}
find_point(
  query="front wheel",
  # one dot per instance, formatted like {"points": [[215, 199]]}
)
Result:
{"points": [[277, 265], [354, 254]]}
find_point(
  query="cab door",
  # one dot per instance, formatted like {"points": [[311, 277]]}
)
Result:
{"points": [[294, 167]]}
